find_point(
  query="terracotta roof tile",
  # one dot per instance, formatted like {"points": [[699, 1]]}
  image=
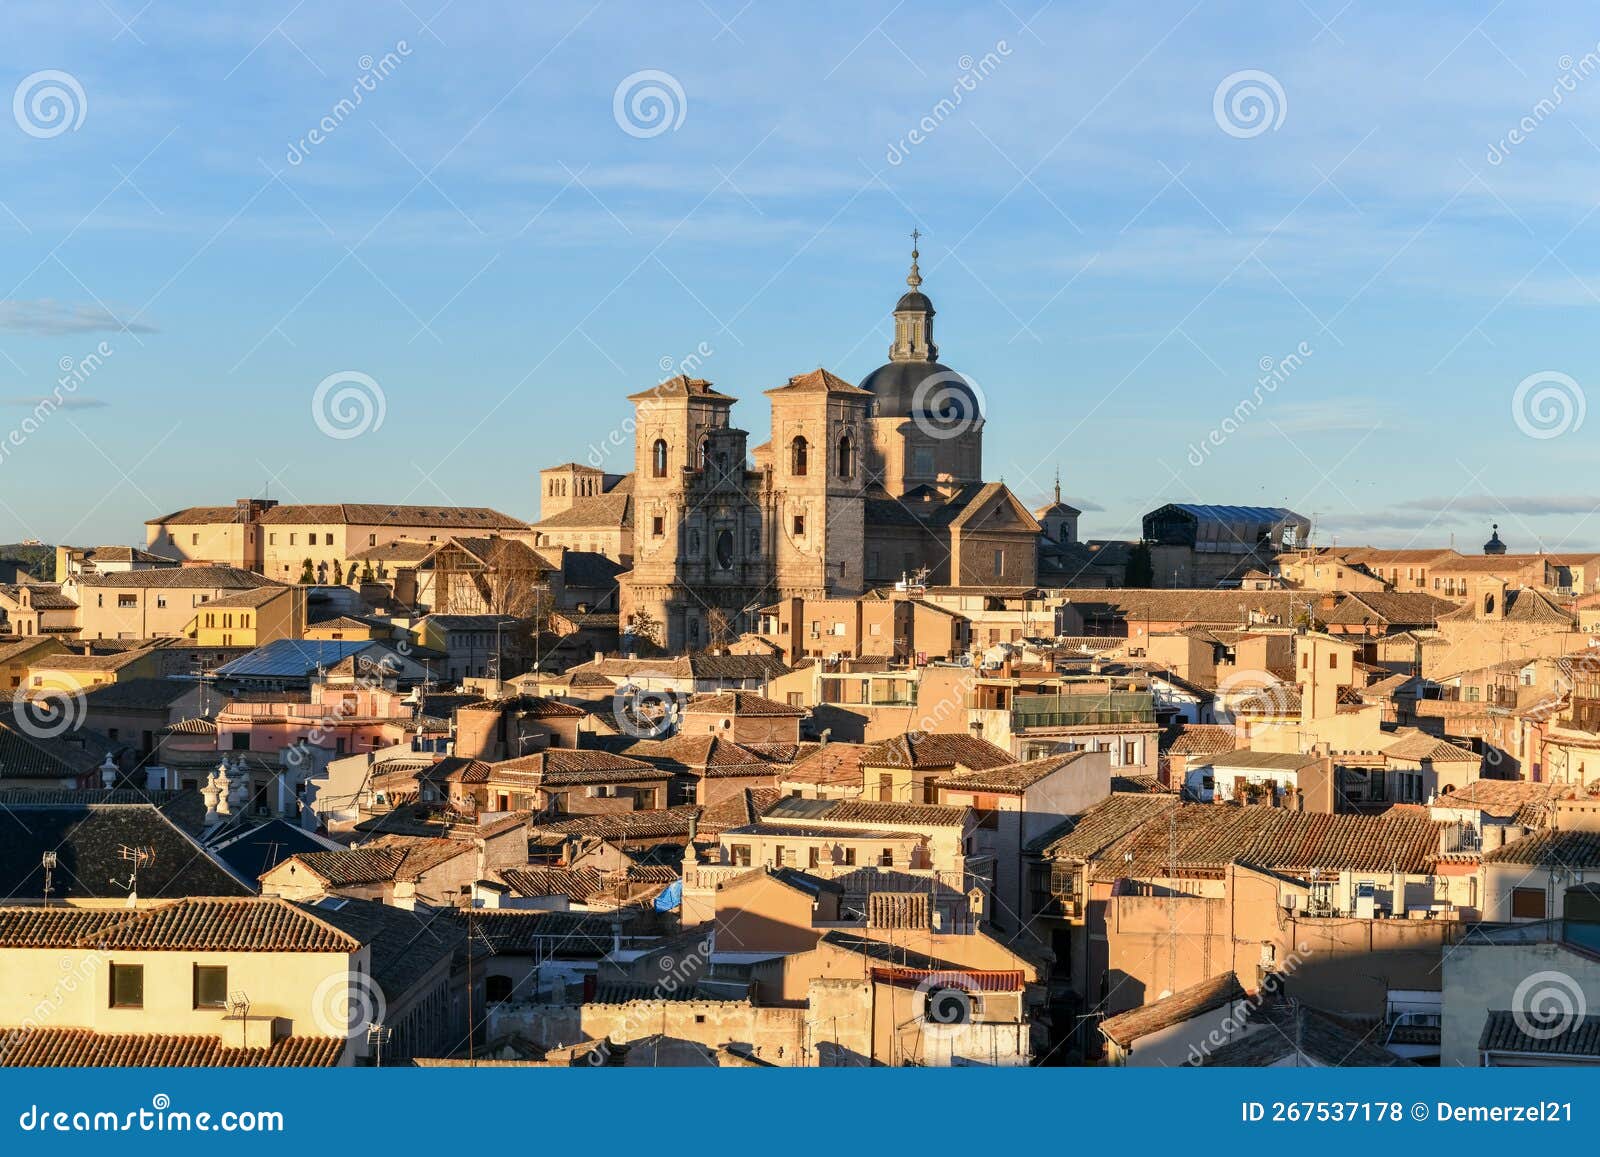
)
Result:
{"points": [[919, 750], [66, 1048], [1010, 777], [1127, 1027]]}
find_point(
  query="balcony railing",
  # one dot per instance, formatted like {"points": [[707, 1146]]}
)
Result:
{"points": [[1109, 708]]}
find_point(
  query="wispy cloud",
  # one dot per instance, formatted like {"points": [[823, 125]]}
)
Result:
{"points": [[62, 404], [1527, 505], [43, 317]]}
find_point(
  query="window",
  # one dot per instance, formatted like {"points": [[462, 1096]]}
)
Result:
{"points": [[127, 986], [658, 459], [799, 526], [658, 526], [241, 741], [777, 856], [847, 457], [210, 986], [1333, 660], [999, 563], [1527, 903], [886, 858], [497, 989], [814, 857], [194, 540], [922, 463], [125, 601], [272, 540], [740, 854], [372, 540], [798, 455], [847, 857]]}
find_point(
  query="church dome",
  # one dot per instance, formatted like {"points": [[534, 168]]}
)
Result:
{"points": [[913, 383], [907, 389], [1494, 545]]}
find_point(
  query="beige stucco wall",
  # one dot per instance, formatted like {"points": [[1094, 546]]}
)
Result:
{"points": [[70, 988]]}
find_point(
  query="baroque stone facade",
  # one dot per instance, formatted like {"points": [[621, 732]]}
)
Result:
{"points": [[858, 486]]}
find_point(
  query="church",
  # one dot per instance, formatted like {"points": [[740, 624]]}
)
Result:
{"points": [[858, 487]]}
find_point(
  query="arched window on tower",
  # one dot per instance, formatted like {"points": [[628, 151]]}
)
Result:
{"points": [[658, 459], [705, 452], [847, 456], [797, 456]]}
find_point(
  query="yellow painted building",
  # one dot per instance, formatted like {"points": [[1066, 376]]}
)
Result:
{"points": [[251, 618]]}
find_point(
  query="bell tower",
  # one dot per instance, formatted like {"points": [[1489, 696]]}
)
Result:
{"points": [[913, 318]]}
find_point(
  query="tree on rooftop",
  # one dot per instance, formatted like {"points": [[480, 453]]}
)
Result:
{"points": [[719, 628], [1141, 569], [644, 633], [307, 575]]}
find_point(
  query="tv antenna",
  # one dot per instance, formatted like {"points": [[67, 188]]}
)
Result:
{"points": [[137, 858], [48, 863], [377, 1036], [239, 1010]]}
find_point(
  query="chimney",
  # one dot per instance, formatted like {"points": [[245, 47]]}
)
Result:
{"points": [[822, 739]]}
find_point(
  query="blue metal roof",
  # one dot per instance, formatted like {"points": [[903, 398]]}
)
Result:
{"points": [[292, 658], [1236, 514]]}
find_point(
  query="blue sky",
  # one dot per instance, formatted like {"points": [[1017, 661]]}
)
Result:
{"points": [[1114, 254]]}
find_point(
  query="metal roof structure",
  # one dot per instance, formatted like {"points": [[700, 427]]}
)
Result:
{"points": [[291, 658], [1225, 529]]}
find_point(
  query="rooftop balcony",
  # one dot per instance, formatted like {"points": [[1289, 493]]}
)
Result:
{"points": [[1036, 712]]}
